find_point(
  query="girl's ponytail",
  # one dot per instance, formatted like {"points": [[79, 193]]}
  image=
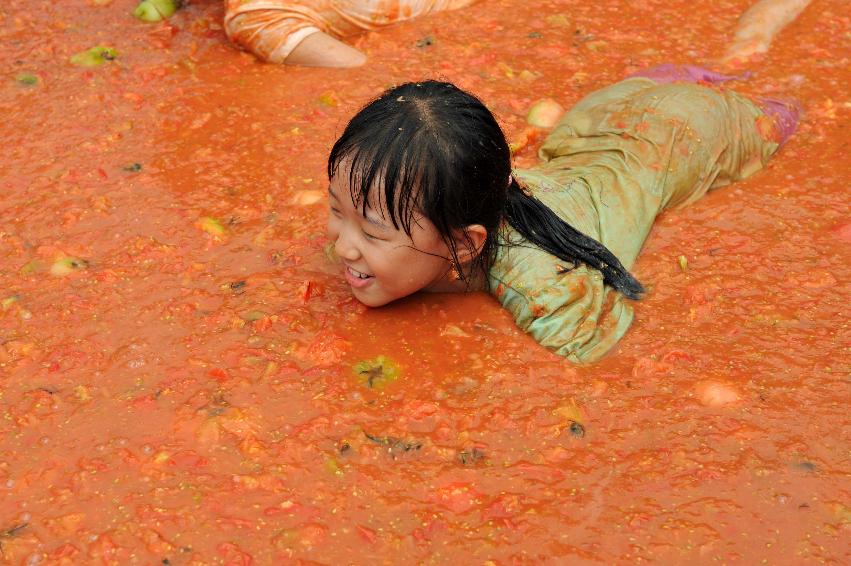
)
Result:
{"points": [[542, 227]]}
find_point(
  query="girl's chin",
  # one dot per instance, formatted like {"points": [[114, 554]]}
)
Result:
{"points": [[369, 299]]}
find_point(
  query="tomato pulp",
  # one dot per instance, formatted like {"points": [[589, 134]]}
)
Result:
{"points": [[185, 379]]}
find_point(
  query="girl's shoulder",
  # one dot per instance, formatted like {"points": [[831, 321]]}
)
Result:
{"points": [[566, 307]]}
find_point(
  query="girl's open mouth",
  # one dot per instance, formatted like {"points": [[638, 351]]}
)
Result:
{"points": [[357, 278]]}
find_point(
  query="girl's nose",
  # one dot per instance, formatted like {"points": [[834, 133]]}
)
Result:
{"points": [[345, 249]]}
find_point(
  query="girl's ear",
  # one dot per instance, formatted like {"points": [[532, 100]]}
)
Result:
{"points": [[469, 242]]}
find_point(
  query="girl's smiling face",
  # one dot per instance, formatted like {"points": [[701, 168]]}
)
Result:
{"points": [[383, 263]]}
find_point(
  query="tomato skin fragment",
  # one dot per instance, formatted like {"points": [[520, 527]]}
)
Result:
{"points": [[306, 290], [637, 520], [456, 497], [367, 534], [843, 232], [218, 374], [427, 532], [677, 355], [232, 555], [527, 137], [161, 35], [63, 554], [143, 402], [503, 507]]}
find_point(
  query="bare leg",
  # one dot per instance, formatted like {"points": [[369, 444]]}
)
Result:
{"points": [[784, 114], [758, 26]]}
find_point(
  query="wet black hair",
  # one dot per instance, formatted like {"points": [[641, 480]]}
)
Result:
{"points": [[431, 148]]}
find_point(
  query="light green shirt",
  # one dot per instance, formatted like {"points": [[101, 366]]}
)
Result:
{"points": [[614, 162]]}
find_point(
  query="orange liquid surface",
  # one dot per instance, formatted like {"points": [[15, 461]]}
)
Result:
{"points": [[181, 391]]}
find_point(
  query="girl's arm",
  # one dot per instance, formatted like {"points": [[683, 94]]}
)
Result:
{"points": [[321, 50]]}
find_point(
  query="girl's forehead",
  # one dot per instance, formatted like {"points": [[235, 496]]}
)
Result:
{"points": [[407, 211], [345, 183], [343, 187]]}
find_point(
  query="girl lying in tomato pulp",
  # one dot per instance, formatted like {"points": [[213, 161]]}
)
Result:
{"points": [[423, 197]]}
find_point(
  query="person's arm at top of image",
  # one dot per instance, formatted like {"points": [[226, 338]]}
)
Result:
{"points": [[288, 32], [311, 32], [321, 50]]}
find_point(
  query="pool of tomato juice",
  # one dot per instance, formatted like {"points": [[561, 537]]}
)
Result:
{"points": [[177, 351]]}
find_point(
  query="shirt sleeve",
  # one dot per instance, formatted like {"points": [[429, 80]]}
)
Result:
{"points": [[566, 308]]}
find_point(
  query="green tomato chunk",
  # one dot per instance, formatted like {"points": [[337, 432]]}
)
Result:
{"points": [[97, 55], [156, 10]]}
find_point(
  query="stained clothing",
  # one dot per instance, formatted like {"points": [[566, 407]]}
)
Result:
{"points": [[271, 29], [616, 160]]}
